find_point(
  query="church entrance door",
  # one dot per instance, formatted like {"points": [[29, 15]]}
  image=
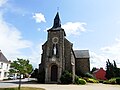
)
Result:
{"points": [[54, 73]]}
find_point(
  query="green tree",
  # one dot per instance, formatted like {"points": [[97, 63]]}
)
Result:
{"points": [[116, 70], [22, 67], [35, 73], [115, 64], [112, 70], [93, 69], [109, 70]]}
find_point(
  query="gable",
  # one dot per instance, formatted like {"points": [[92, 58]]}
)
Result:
{"points": [[3, 58], [101, 70], [81, 53]]}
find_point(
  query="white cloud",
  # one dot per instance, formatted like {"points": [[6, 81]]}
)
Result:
{"points": [[111, 52], [2, 2], [39, 17], [11, 41], [74, 28], [97, 60], [113, 49], [35, 57]]}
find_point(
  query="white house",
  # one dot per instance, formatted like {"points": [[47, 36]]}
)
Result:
{"points": [[4, 66]]}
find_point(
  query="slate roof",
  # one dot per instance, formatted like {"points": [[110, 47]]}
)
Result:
{"points": [[57, 22], [3, 58], [81, 53]]}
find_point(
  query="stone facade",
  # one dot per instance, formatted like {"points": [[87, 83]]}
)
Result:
{"points": [[58, 55], [82, 63]]}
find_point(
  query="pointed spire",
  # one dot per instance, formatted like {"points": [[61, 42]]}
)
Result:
{"points": [[57, 22]]}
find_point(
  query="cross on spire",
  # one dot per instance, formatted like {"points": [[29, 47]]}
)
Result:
{"points": [[57, 9]]}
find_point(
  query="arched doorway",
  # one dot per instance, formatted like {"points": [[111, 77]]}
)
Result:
{"points": [[54, 73]]}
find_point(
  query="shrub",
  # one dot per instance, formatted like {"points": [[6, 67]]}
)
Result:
{"points": [[41, 77], [79, 80], [106, 82], [82, 81], [112, 81], [101, 81], [66, 77], [118, 80], [91, 80], [89, 75], [76, 79]]}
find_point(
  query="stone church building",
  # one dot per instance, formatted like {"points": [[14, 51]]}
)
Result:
{"points": [[58, 55]]}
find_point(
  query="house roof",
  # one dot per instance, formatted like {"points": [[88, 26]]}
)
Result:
{"points": [[99, 70], [81, 53], [3, 58]]}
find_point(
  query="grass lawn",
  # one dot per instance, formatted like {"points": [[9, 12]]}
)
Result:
{"points": [[22, 88]]}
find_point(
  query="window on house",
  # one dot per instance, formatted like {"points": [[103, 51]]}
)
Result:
{"points": [[0, 74], [1, 66], [7, 66], [5, 74]]}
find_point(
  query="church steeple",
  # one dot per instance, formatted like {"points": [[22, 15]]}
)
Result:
{"points": [[57, 22]]}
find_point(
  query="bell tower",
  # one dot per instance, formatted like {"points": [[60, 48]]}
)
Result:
{"points": [[54, 63], [57, 55]]}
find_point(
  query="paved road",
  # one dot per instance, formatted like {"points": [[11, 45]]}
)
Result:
{"points": [[12, 83], [89, 86]]}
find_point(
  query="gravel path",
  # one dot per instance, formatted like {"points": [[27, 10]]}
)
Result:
{"points": [[89, 86], [75, 87]]}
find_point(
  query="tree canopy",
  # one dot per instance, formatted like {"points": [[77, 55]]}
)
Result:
{"points": [[21, 66], [112, 70]]}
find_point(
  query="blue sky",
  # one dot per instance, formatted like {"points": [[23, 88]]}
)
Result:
{"points": [[89, 24]]}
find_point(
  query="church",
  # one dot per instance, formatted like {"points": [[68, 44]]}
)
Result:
{"points": [[58, 55]]}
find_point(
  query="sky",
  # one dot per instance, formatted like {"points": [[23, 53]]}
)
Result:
{"points": [[92, 25]]}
